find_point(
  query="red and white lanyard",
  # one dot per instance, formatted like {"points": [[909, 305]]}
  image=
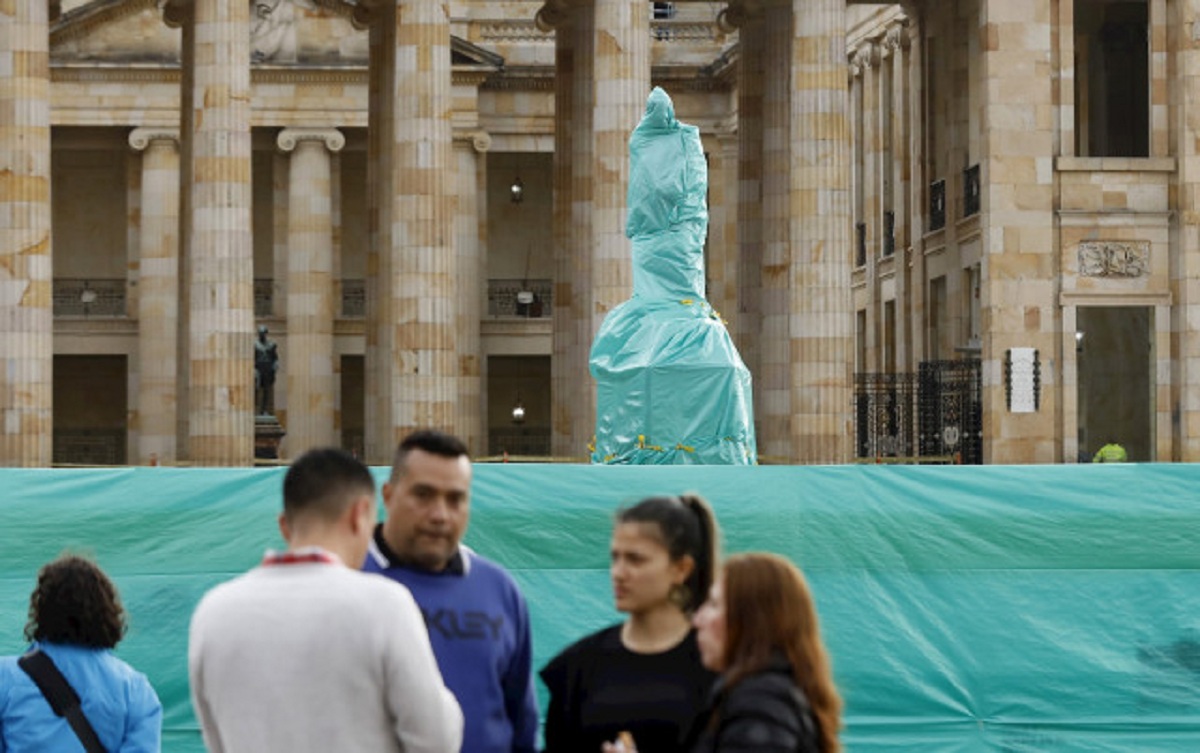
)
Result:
{"points": [[307, 555]]}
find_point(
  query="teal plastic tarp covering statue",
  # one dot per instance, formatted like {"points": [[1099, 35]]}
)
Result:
{"points": [[671, 387]]}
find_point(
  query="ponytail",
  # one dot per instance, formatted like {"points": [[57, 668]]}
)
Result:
{"points": [[705, 556], [688, 528]]}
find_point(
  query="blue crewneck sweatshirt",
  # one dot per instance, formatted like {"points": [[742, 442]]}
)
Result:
{"points": [[479, 628]]}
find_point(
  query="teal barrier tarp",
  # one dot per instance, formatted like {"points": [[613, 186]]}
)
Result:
{"points": [[966, 609]]}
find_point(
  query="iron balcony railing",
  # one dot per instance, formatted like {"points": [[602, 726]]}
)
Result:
{"points": [[531, 299], [526, 299], [89, 297]]}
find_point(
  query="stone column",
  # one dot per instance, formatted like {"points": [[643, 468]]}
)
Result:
{"points": [[1018, 297], [914, 144], [158, 297], [749, 197], [1185, 282], [411, 349], [216, 174], [872, 171], [565, 367], [896, 47], [311, 398], [776, 360], [573, 393], [26, 315], [470, 230], [621, 85], [722, 262], [820, 223]]}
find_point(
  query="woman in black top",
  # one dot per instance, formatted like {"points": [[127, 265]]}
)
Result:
{"points": [[644, 675], [776, 693]]}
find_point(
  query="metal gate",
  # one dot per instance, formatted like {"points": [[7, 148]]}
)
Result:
{"points": [[884, 411], [950, 412], [932, 416]]}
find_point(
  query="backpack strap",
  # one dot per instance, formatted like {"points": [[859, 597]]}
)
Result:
{"points": [[63, 699]]}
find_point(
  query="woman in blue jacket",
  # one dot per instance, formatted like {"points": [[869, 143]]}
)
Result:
{"points": [[76, 619]]}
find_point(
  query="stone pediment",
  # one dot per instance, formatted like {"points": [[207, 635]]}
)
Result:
{"points": [[283, 32]]}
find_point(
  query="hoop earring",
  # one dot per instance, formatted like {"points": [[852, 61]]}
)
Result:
{"points": [[681, 596]]}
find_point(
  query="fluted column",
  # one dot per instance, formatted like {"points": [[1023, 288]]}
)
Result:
{"points": [[916, 207], [820, 219], [872, 171], [26, 317], [470, 241], [896, 46], [622, 83], [569, 359], [158, 297], [749, 213], [311, 400], [573, 394], [722, 265], [776, 358], [220, 296], [411, 353]]}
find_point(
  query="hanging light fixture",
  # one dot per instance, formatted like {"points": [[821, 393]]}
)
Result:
{"points": [[516, 191], [518, 411]]}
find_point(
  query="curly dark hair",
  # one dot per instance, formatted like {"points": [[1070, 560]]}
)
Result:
{"points": [[75, 602]]}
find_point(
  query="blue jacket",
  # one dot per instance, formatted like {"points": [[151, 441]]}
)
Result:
{"points": [[117, 700]]}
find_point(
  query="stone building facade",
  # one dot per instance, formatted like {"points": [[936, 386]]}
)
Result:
{"points": [[947, 231]]}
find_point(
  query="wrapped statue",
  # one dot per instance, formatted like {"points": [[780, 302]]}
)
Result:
{"points": [[671, 387]]}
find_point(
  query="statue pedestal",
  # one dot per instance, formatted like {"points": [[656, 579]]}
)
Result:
{"points": [[267, 436]]}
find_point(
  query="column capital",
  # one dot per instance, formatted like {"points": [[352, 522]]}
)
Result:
{"points": [[289, 138], [140, 138], [895, 37], [480, 140], [176, 13], [739, 13], [865, 56], [552, 15]]}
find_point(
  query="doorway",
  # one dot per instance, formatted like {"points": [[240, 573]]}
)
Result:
{"points": [[518, 398], [90, 410], [1113, 349]]}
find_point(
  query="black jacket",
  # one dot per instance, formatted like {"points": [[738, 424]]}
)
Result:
{"points": [[764, 713]]}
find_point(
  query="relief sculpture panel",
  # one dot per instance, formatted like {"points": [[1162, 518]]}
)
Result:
{"points": [[1114, 258]]}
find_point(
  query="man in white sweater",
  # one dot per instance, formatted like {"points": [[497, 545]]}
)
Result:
{"points": [[306, 654]]}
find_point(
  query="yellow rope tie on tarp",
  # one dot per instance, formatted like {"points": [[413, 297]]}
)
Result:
{"points": [[643, 446], [685, 448], [687, 301]]}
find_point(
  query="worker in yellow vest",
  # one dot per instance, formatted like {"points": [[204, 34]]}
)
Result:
{"points": [[1111, 453]]}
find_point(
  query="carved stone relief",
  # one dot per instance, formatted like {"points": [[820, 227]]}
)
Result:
{"points": [[1114, 258], [273, 30]]}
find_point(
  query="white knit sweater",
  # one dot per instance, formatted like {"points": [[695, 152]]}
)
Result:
{"points": [[317, 657]]}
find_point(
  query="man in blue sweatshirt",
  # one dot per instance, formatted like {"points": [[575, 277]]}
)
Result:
{"points": [[477, 618]]}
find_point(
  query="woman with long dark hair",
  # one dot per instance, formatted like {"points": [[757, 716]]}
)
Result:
{"points": [[642, 676], [76, 619]]}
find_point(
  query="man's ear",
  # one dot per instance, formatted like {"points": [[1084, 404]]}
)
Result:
{"points": [[362, 514], [284, 528]]}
